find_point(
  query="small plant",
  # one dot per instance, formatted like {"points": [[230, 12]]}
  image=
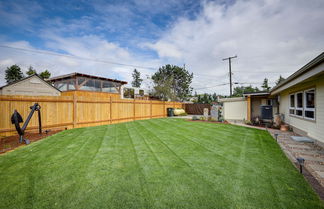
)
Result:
{"points": [[247, 122], [202, 118], [195, 118]]}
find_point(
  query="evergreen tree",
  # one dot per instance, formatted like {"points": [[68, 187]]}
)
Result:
{"points": [[280, 79], [137, 81], [265, 86], [45, 74], [31, 71], [13, 73]]}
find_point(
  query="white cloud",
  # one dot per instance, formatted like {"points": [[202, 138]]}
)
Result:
{"points": [[92, 47], [270, 37]]}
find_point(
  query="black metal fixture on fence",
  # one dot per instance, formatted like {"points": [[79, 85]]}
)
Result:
{"points": [[301, 162]]}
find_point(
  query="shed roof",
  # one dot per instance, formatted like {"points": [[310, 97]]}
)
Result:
{"points": [[75, 74], [25, 78], [259, 93]]}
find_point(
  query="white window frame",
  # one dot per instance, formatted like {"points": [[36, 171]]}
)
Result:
{"points": [[290, 107], [296, 104], [310, 109]]}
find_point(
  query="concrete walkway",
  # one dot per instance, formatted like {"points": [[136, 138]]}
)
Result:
{"points": [[313, 154]]}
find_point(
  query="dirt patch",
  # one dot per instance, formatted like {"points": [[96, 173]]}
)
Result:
{"points": [[12, 142], [206, 121]]}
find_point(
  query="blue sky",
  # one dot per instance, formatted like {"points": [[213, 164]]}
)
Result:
{"points": [[270, 37]]}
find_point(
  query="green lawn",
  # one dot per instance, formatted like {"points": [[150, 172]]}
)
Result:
{"points": [[158, 163]]}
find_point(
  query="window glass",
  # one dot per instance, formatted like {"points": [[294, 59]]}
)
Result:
{"points": [[299, 100], [292, 100], [309, 114], [80, 80], [299, 112], [71, 85], [310, 99], [61, 85], [292, 111], [89, 85], [108, 86]]}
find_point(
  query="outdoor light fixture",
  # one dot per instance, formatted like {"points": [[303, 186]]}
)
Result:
{"points": [[301, 162], [276, 135]]}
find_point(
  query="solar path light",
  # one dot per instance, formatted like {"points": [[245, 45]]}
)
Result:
{"points": [[276, 136], [301, 162]]}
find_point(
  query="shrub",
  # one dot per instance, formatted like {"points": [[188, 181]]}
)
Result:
{"points": [[195, 118]]}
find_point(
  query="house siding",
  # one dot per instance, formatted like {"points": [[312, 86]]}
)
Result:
{"points": [[313, 129]]}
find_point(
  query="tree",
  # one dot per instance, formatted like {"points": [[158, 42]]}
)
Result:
{"points": [[45, 74], [280, 79], [13, 73], [163, 89], [240, 90], [265, 86], [31, 71], [178, 78], [137, 81]]}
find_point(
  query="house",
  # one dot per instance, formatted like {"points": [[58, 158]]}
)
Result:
{"points": [[128, 92], [30, 86], [84, 84], [301, 100], [255, 101]]}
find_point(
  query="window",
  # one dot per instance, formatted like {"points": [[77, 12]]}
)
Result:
{"points": [[299, 104], [309, 97], [292, 104], [302, 104], [129, 93]]}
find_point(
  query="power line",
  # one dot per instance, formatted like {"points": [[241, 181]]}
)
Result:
{"points": [[208, 87], [74, 57]]}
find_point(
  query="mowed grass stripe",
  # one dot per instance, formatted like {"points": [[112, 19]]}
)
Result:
{"points": [[158, 163]]}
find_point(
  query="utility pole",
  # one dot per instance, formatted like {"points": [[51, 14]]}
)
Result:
{"points": [[230, 71]]}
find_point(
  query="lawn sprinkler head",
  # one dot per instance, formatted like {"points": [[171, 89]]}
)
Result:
{"points": [[301, 162]]}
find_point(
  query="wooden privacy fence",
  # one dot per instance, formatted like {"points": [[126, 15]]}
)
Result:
{"points": [[197, 109], [78, 111]]}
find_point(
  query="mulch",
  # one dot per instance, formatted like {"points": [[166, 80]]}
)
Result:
{"points": [[12, 142]]}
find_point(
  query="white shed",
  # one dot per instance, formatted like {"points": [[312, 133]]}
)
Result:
{"points": [[30, 86], [234, 108]]}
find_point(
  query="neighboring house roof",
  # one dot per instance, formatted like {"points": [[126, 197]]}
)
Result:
{"points": [[306, 68], [73, 75], [25, 78]]}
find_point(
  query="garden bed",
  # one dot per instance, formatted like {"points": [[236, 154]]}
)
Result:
{"points": [[12, 142]]}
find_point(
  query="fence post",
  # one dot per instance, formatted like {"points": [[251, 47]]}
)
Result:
{"points": [[110, 107], [134, 109], [75, 101], [164, 110], [151, 109]]}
